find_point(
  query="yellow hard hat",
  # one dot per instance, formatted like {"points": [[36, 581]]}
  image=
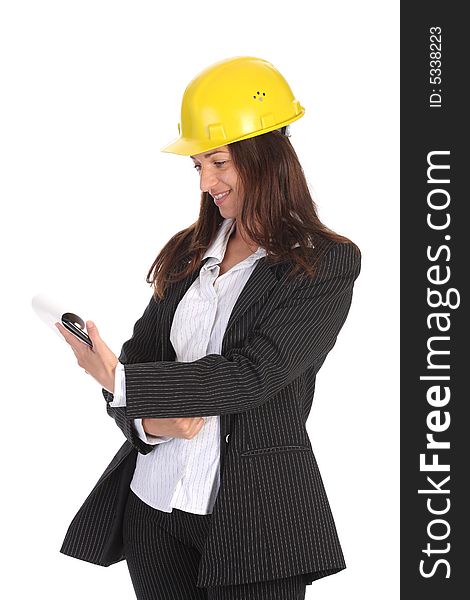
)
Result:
{"points": [[232, 100]]}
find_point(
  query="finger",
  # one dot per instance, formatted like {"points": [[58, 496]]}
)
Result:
{"points": [[71, 339], [65, 334], [92, 331], [78, 348], [196, 426]]}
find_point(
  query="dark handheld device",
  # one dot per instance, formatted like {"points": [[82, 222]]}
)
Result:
{"points": [[76, 325]]}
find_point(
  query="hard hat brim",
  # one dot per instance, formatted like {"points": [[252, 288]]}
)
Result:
{"points": [[188, 147]]}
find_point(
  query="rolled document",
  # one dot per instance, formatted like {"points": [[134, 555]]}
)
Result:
{"points": [[51, 311]]}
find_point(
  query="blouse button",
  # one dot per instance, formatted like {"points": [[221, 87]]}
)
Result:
{"points": [[226, 437]]}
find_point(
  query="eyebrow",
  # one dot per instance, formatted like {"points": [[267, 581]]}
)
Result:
{"points": [[210, 154]]}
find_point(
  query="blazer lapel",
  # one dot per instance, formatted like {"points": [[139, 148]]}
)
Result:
{"points": [[172, 298], [256, 289]]}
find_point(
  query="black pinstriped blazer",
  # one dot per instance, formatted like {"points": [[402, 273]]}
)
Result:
{"points": [[271, 518]]}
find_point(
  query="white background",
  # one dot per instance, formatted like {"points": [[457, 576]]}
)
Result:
{"points": [[91, 91]]}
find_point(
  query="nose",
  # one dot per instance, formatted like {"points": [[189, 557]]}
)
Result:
{"points": [[208, 179]]}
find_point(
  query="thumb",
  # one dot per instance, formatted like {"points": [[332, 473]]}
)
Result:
{"points": [[92, 330]]}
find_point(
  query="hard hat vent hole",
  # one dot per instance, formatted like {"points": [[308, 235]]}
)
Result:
{"points": [[259, 97]]}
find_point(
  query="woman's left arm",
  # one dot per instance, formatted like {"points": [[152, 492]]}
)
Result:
{"points": [[294, 335], [100, 362]]}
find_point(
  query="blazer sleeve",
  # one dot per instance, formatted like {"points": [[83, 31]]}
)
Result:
{"points": [[139, 348], [293, 335]]}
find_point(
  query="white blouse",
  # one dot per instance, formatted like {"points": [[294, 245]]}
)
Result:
{"points": [[180, 473]]}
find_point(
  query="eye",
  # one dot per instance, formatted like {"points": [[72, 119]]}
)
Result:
{"points": [[218, 164]]}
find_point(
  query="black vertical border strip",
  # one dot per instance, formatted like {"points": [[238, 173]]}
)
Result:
{"points": [[424, 130]]}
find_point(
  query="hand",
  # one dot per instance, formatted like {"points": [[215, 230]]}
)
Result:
{"points": [[99, 362], [179, 427]]}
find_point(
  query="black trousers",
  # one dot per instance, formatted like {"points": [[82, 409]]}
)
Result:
{"points": [[163, 550]]}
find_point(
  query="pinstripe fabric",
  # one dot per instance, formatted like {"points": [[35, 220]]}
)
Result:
{"points": [[163, 551], [272, 518], [181, 473]]}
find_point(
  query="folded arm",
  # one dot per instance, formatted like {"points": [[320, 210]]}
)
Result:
{"points": [[292, 336]]}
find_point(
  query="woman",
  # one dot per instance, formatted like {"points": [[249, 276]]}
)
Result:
{"points": [[216, 492]]}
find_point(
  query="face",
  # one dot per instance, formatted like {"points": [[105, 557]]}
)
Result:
{"points": [[217, 175]]}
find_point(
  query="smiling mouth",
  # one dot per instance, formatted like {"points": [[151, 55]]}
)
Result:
{"points": [[219, 198]]}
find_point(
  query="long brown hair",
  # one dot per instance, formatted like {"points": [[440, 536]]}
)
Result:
{"points": [[277, 212]]}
